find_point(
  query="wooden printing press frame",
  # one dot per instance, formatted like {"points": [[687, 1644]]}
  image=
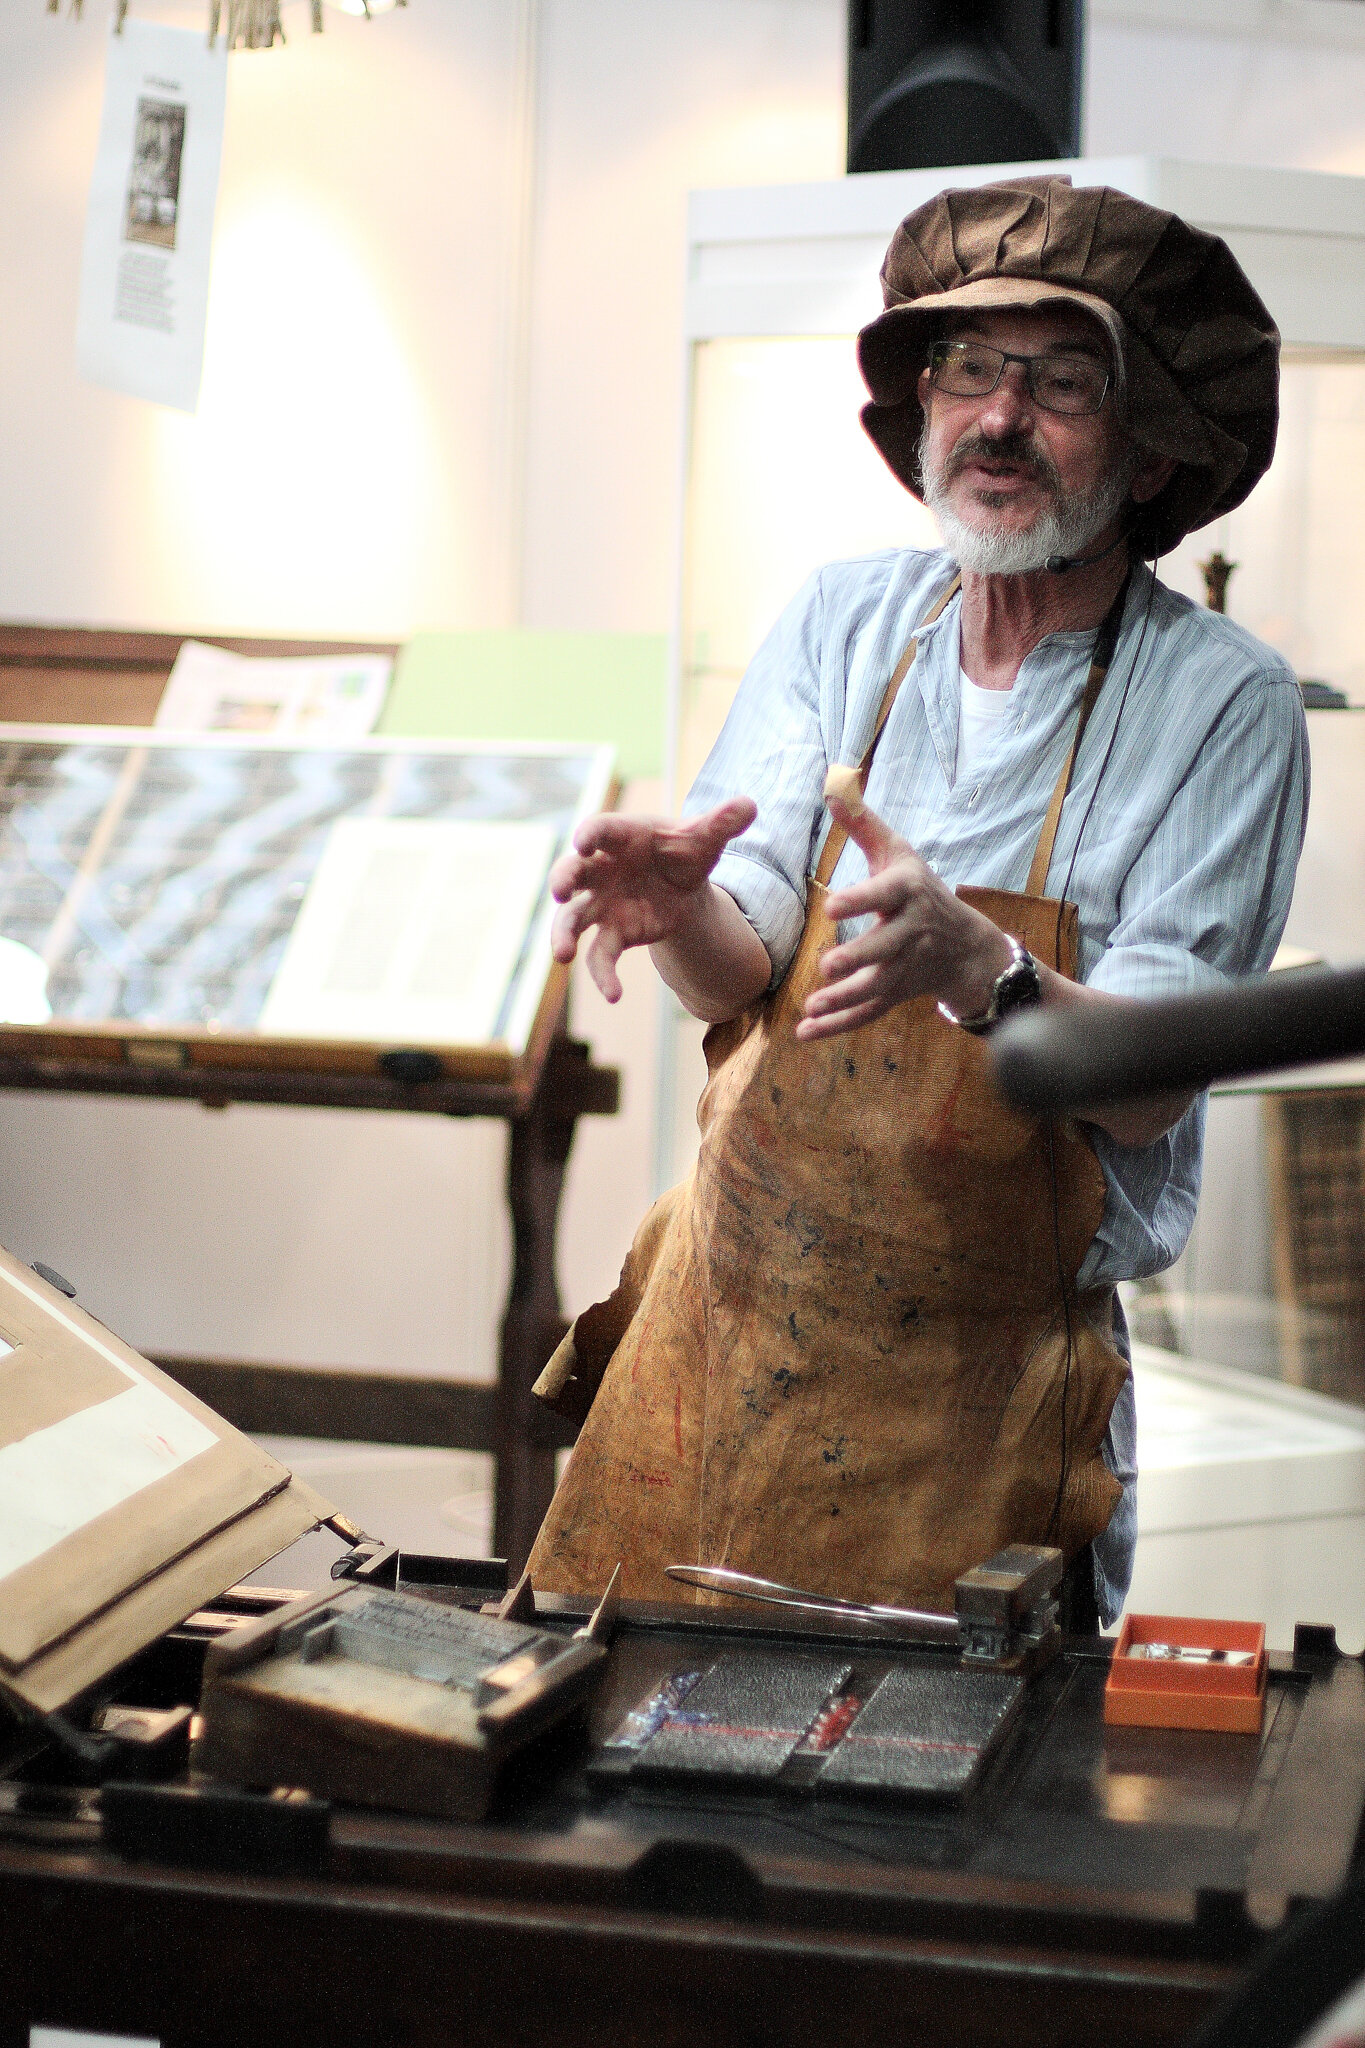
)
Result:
{"points": [[1097, 1885]]}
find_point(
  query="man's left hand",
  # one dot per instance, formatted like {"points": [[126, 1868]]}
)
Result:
{"points": [[926, 940]]}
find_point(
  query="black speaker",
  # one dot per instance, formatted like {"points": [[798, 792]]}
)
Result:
{"points": [[935, 82]]}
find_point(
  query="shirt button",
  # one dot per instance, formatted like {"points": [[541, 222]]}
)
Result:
{"points": [[973, 797]]}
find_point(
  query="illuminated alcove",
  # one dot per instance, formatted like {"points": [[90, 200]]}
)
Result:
{"points": [[782, 479]]}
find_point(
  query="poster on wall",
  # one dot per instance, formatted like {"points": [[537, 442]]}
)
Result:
{"points": [[149, 225]]}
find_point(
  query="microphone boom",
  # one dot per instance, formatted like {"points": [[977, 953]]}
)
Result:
{"points": [[1059, 1060]]}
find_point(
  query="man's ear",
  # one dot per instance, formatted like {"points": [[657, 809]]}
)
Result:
{"points": [[922, 389], [1151, 478]]}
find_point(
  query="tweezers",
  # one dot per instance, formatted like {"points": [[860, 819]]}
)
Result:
{"points": [[918, 1622]]}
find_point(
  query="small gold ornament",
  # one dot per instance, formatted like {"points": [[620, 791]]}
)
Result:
{"points": [[250, 24], [1217, 570]]}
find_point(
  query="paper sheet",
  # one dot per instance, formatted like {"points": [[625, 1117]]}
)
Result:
{"points": [[149, 223], [1343, 2025], [23, 985], [411, 932], [319, 697], [58, 1479]]}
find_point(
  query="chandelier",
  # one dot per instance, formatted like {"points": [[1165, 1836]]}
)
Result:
{"points": [[249, 24]]}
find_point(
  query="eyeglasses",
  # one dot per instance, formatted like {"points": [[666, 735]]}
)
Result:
{"points": [[1065, 384]]}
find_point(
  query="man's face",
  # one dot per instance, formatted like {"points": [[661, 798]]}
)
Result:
{"points": [[1003, 466]]}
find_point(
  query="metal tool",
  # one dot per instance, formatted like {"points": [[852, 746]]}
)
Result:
{"points": [[1006, 1609], [1184, 1653], [921, 1623]]}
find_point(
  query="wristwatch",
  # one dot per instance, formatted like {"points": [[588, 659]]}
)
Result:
{"points": [[1019, 985]]}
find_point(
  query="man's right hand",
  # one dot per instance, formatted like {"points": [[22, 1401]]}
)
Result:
{"points": [[644, 882]]}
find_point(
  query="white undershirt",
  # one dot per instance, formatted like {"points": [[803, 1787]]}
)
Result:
{"points": [[978, 719]]}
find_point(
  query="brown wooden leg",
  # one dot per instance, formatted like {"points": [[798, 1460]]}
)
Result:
{"points": [[526, 1434]]}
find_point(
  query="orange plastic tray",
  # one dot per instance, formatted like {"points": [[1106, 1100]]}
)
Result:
{"points": [[1152, 1693]]}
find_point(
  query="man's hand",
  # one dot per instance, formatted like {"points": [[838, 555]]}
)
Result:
{"points": [[926, 941], [644, 882]]}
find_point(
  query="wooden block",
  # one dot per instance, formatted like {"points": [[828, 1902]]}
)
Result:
{"points": [[520, 1603], [379, 1698], [348, 1731]]}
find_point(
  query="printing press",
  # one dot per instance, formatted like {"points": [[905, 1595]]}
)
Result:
{"points": [[697, 1843]]}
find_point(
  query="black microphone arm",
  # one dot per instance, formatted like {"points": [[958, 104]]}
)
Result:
{"points": [[1050, 1059]]}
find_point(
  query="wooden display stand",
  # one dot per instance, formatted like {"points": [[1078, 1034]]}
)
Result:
{"points": [[75, 675]]}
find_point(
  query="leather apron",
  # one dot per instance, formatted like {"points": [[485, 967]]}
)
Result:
{"points": [[848, 1351]]}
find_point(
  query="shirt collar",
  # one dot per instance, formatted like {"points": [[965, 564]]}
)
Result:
{"points": [[1057, 668]]}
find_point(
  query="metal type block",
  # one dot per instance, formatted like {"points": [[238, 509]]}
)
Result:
{"points": [[443, 1644], [923, 1731], [1009, 1584], [744, 1719], [1006, 1608]]}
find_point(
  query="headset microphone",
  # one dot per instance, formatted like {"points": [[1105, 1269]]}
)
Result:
{"points": [[1057, 565]]}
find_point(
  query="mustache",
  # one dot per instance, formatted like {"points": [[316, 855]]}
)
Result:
{"points": [[1017, 448]]}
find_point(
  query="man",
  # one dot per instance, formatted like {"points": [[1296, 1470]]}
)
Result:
{"points": [[875, 1335]]}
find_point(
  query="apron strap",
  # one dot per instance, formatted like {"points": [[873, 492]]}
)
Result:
{"points": [[837, 838], [1105, 642]]}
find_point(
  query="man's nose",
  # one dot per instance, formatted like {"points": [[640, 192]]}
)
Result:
{"points": [[1009, 409]]}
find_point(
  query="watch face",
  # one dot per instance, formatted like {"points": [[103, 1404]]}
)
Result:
{"points": [[1018, 986]]}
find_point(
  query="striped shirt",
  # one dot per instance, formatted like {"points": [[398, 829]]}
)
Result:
{"points": [[1185, 866]]}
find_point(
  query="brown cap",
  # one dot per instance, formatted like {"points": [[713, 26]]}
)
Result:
{"points": [[1198, 354]]}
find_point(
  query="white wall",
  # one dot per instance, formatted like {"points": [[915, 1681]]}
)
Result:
{"points": [[1287, 90], [442, 388], [352, 392]]}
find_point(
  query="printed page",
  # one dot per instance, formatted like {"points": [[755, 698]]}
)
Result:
{"points": [[411, 932], [317, 697], [149, 224], [56, 1480]]}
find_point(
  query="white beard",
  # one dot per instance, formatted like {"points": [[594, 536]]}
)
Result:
{"points": [[1066, 528]]}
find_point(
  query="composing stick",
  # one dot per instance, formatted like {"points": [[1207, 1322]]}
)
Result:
{"points": [[1183, 1653], [443, 1645]]}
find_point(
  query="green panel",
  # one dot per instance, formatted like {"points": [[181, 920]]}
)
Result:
{"points": [[513, 685]]}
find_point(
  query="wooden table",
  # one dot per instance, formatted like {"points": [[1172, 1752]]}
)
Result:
{"points": [[1090, 1889], [82, 676]]}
